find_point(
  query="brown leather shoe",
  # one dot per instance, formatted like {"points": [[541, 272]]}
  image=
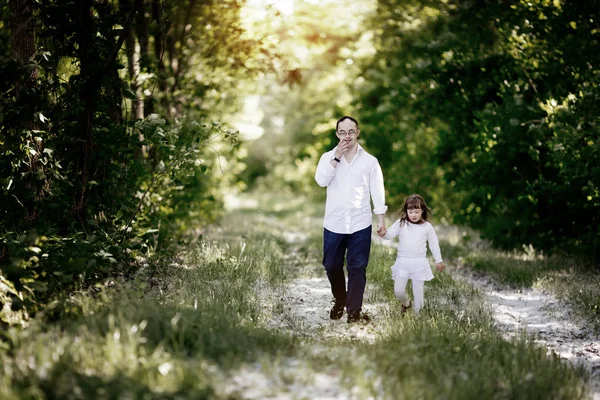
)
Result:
{"points": [[405, 308]]}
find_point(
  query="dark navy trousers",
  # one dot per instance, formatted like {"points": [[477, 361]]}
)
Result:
{"points": [[355, 247]]}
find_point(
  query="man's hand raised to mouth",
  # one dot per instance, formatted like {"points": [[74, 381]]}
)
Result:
{"points": [[343, 146]]}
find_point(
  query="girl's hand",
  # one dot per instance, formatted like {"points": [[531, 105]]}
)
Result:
{"points": [[381, 231], [440, 266]]}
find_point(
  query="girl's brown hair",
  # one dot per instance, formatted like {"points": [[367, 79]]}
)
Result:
{"points": [[414, 201]]}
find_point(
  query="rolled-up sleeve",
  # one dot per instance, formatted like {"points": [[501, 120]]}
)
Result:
{"points": [[377, 189], [325, 171]]}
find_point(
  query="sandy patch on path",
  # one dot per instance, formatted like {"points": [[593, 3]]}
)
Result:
{"points": [[301, 308], [305, 312], [288, 378]]}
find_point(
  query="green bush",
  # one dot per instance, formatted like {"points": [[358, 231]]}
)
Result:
{"points": [[488, 107]]}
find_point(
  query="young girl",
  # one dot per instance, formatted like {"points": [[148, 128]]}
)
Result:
{"points": [[413, 230]]}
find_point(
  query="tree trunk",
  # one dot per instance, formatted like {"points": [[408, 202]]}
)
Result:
{"points": [[138, 103], [23, 51], [178, 58], [85, 35], [141, 29], [125, 7], [159, 41], [22, 39], [173, 62], [132, 49]]}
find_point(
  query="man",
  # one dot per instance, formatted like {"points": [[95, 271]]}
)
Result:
{"points": [[350, 175]]}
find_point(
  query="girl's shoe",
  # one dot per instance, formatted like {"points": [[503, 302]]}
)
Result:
{"points": [[405, 308]]}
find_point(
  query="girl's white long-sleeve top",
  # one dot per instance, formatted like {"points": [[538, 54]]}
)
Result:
{"points": [[413, 238], [349, 186]]}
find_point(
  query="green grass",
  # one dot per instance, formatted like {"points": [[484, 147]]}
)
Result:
{"points": [[570, 279], [452, 351], [161, 337], [580, 287], [182, 329]]}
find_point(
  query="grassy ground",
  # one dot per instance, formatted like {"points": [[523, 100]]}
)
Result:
{"points": [[199, 327], [573, 280]]}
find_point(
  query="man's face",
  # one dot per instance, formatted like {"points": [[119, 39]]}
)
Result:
{"points": [[348, 131]]}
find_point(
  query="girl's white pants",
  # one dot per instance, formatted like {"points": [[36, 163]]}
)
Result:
{"points": [[418, 288]]}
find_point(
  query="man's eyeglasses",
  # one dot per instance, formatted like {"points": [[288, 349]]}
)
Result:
{"points": [[349, 133]]}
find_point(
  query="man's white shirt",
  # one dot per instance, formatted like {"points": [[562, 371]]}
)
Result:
{"points": [[349, 186]]}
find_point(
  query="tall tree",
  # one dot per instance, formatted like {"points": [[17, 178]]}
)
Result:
{"points": [[23, 50], [23, 40], [498, 95], [133, 52]]}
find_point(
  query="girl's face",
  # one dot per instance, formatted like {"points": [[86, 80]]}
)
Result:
{"points": [[414, 214]]}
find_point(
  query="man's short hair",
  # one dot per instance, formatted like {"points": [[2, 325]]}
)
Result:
{"points": [[345, 117]]}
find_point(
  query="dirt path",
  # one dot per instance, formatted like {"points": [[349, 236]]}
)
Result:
{"points": [[303, 307], [305, 314], [540, 315], [546, 319], [516, 311], [309, 301]]}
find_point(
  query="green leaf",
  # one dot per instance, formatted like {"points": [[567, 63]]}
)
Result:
{"points": [[92, 222], [128, 93], [37, 286]]}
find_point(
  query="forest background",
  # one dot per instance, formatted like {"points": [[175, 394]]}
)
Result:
{"points": [[125, 124]]}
